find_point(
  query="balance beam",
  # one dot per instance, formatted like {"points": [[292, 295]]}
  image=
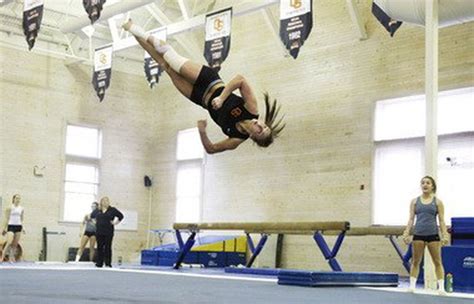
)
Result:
{"points": [[264, 228], [371, 230], [267, 227]]}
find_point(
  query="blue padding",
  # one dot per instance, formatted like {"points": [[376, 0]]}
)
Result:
{"points": [[459, 262], [200, 240], [462, 231], [320, 278], [255, 271], [166, 257]]}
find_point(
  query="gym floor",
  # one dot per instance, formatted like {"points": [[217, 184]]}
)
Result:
{"points": [[83, 283]]}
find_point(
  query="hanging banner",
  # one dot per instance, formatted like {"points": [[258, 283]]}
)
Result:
{"points": [[217, 45], [93, 8], [152, 69], [296, 22], [102, 70], [32, 15], [388, 23]]}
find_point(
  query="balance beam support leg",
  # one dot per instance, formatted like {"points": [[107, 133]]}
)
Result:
{"points": [[395, 245], [257, 250], [179, 239], [250, 243], [329, 255], [184, 251]]}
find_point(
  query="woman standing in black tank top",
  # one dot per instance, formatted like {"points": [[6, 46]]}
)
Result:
{"points": [[237, 116]]}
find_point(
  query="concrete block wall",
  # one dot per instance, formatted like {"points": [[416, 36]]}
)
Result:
{"points": [[39, 96]]}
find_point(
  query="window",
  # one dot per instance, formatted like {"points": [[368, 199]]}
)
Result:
{"points": [[399, 154], [189, 180], [81, 182]]}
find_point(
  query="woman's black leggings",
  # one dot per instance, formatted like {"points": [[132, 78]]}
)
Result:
{"points": [[104, 250]]}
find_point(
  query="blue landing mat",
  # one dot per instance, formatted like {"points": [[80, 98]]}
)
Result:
{"points": [[256, 271], [322, 278]]}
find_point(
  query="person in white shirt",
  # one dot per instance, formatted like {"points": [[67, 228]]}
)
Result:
{"points": [[13, 227]]}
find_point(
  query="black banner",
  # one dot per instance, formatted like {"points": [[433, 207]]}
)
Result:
{"points": [[102, 70], [217, 45], [296, 22], [32, 15], [93, 8], [388, 23], [152, 69]]}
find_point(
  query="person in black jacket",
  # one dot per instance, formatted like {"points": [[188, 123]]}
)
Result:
{"points": [[106, 219]]}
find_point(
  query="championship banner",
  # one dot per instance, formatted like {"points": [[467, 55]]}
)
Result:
{"points": [[296, 22], [102, 70], [152, 69], [217, 45], [93, 8], [32, 15], [388, 23]]}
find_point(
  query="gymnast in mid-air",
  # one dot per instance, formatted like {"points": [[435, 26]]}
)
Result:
{"points": [[237, 116]]}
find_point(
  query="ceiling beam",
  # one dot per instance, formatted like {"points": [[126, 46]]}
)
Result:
{"points": [[357, 19], [113, 29], [115, 9], [188, 46], [184, 9], [275, 29], [198, 21]]}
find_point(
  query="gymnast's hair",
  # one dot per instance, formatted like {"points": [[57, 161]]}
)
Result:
{"points": [[14, 196], [275, 125], [433, 182]]}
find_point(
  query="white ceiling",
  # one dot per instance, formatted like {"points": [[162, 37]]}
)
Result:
{"points": [[76, 46]]}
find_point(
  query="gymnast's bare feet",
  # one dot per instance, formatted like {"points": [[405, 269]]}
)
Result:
{"points": [[127, 25]]}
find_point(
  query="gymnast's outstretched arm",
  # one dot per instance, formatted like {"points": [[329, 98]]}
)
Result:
{"points": [[211, 148]]}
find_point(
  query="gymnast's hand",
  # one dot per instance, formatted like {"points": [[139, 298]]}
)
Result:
{"points": [[217, 103], [202, 124], [406, 238], [444, 240]]}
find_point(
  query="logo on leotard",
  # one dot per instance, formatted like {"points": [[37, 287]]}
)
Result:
{"points": [[236, 112], [295, 3], [218, 24]]}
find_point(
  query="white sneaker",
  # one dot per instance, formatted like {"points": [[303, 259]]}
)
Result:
{"points": [[442, 292]]}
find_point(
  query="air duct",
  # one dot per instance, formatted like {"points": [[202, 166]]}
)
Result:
{"points": [[451, 12]]}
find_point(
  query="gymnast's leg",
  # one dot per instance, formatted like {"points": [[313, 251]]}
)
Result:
{"points": [[183, 86], [418, 251], [181, 65], [435, 251]]}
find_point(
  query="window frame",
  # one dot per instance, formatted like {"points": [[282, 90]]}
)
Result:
{"points": [[413, 139], [199, 162], [78, 160]]}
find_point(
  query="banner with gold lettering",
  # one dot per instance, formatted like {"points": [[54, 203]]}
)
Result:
{"points": [[296, 22], [93, 8], [217, 45], [152, 69], [102, 70], [32, 15]]}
